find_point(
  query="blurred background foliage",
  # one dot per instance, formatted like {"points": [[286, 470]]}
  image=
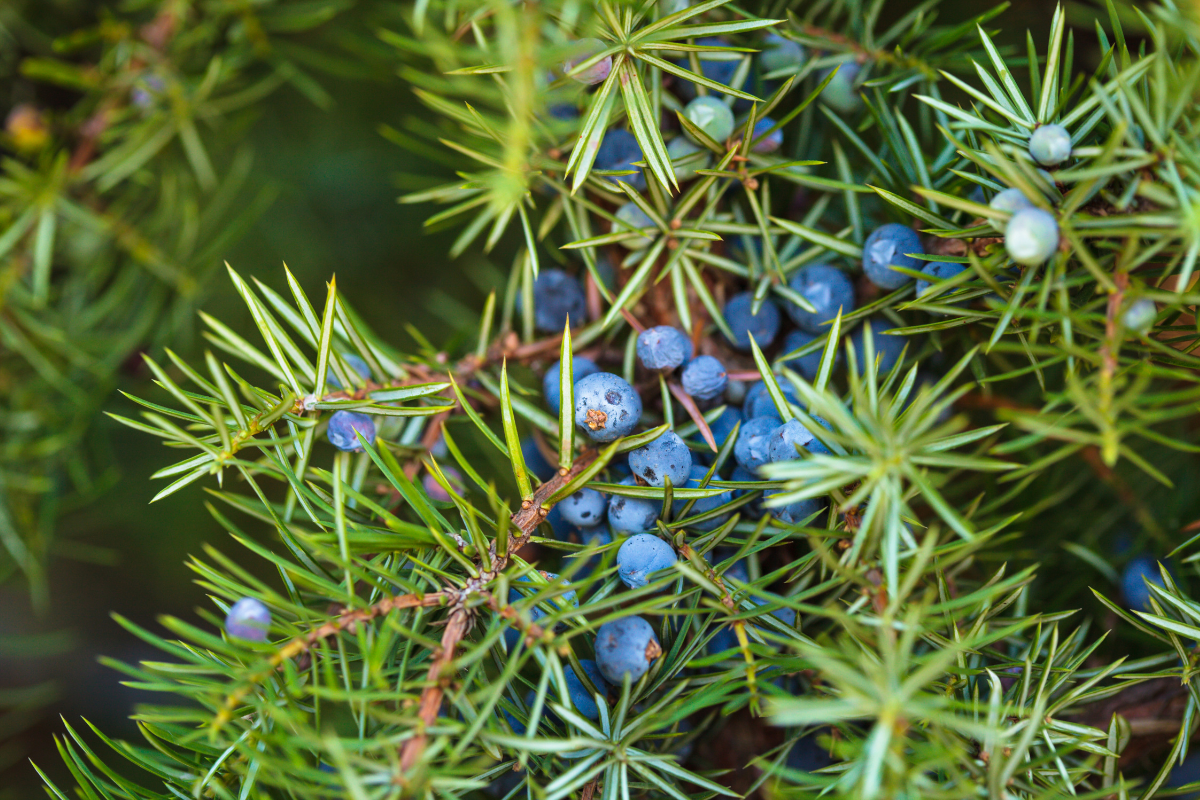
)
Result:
{"points": [[270, 153]]}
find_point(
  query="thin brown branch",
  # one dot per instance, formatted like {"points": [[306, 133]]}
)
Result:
{"points": [[431, 697]]}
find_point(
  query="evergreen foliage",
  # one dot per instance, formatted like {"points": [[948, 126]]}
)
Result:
{"points": [[432, 623]]}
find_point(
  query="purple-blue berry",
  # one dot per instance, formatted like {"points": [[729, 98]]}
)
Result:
{"points": [[557, 296], [626, 646], [596, 73], [580, 368], [1050, 145], [716, 66], [828, 289], [888, 246], [704, 378], [665, 458], [807, 365], [1142, 568], [723, 425], [617, 152], [711, 116], [535, 462], [785, 439], [1031, 236], [641, 555], [606, 406], [753, 447], [248, 619], [941, 271], [581, 698], [763, 326], [769, 144], [584, 508], [888, 346], [356, 363], [342, 428], [663, 347], [632, 514]]}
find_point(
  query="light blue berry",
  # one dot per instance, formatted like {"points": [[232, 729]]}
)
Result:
{"points": [[753, 509], [711, 116], [632, 514], [625, 646], [798, 510], [606, 406], [1010, 200], [841, 94], [665, 458], [641, 555], [693, 157], [828, 289], [356, 363], [342, 428], [759, 402], [583, 50], [704, 378], [1031, 237], [780, 53], [634, 217], [580, 368], [556, 296], [1140, 315], [586, 507], [702, 505], [535, 462], [248, 619], [763, 326], [617, 152], [565, 600], [888, 346], [663, 347], [1050, 145], [888, 246], [789, 436], [753, 447]]}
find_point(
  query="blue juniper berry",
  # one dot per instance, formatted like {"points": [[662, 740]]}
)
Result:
{"points": [[626, 646], [665, 458], [763, 326], [641, 555], [342, 427], [704, 378], [663, 347], [606, 406]]}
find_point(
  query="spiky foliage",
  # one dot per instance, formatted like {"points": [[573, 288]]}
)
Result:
{"points": [[927, 658]]}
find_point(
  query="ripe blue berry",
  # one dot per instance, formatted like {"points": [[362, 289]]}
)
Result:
{"points": [[641, 555], [702, 505], [631, 514], [759, 402], [940, 270], [1142, 568], [354, 362], [634, 217], [1031, 237], [780, 53], [704, 378], [753, 509], [769, 144], [625, 646], [618, 151], [248, 619], [1140, 315], [798, 510], [763, 326], [580, 368], [722, 426], [663, 347], [753, 447], [807, 365], [342, 427], [841, 94], [888, 346], [711, 116], [1050, 145], [888, 246], [606, 407], [564, 600], [784, 441], [535, 462], [581, 698], [687, 157], [716, 66], [828, 289], [594, 538], [584, 508], [596, 73], [665, 458], [556, 296]]}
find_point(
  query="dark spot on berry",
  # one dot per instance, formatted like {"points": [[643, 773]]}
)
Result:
{"points": [[613, 397], [649, 474]]}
